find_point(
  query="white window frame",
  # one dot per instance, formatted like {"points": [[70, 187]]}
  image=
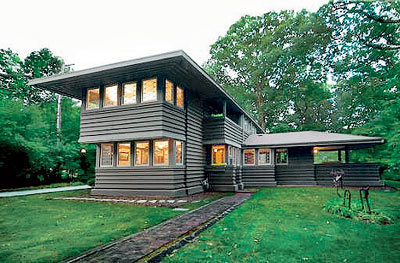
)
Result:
{"points": [[123, 92], [244, 158], [270, 156], [287, 156]]}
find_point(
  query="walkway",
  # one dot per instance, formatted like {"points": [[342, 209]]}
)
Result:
{"points": [[43, 191], [152, 244]]}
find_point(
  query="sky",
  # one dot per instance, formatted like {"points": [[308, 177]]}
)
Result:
{"points": [[90, 33]]}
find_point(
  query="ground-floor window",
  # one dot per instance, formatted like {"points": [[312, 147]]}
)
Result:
{"points": [[161, 150], [106, 154], [178, 152], [124, 154], [142, 153], [249, 156], [281, 156], [218, 154], [264, 156]]}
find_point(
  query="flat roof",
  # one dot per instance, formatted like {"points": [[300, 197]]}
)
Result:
{"points": [[175, 63], [309, 138]]}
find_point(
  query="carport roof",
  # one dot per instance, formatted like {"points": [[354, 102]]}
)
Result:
{"points": [[310, 138]]}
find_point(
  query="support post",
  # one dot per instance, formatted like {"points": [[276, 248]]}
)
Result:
{"points": [[346, 155], [224, 108], [340, 155]]}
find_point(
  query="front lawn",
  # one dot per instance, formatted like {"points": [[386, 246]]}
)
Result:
{"points": [[33, 229], [290, 225]]}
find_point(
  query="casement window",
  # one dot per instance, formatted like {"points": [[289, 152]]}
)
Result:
{"points": [[169, 91], [124, 154], [106, 154], [179, 97], [149, 90], [230, 155], [93, 99], [179, 152], [281, 156], [218, 155], [264, 156], [249, 156], [129, 93], [160, 152], [110, 96], [142, 153]]}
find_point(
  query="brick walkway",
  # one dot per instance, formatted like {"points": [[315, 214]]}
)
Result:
{"points": [[167, 234]]}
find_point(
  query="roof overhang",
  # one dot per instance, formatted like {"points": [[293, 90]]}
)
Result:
{"points": [[176, 64], [312, 139]]}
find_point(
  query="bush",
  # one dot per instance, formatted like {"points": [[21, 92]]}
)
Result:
{"points": [[356, 212]]}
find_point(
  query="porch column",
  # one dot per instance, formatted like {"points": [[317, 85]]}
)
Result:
{"points": [[224, 108], [340, 155], [346, 155]]}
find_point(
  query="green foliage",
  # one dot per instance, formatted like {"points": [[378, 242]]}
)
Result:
{"points": [[15, 74]]}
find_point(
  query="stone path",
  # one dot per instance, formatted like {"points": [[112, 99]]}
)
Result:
{"points": [[43, 191], [153, 242]]}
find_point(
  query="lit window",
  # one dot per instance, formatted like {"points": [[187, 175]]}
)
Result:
{"points": [[110, 96], [106, 154], [124, 154], [129, 93], [169, 91], [142, 153], [161, 152], [149, 90], [179, 97], [281, 156], [230, 155], [218, 154], [249, 156], [93, 99], [179, 148], [264, 156]]}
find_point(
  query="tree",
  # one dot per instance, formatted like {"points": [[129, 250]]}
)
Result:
{"points": [[15, 74], [267, 63]]}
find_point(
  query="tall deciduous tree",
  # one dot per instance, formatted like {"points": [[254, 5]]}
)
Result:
{"points": [[268, 63]]}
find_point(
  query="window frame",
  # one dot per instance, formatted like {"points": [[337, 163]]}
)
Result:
{"points": [[142, 90], [212, 153], [130, 154], [270, 156], [154, 152], [104, 95], [181, 163], [183, 97], [101, 155], [287, 156], [244, 157], [87, 96], [173, 92], [148, 154], [122, 96]]}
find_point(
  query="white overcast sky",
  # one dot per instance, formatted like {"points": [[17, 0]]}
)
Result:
{"points": [[93, 33]]}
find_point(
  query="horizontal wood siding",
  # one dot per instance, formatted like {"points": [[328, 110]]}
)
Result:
{"points": [[136, 180], [356, 174], [223, 178], [260, 175], [222, 130], [195, 153], [132, 122], [300, 168]]}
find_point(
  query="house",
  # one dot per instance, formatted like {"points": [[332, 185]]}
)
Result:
{"points": [[162, 126]]}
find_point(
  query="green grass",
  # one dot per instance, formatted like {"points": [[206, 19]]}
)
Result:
{"points": [[290, 225], [33, 229], [391, 183], [43, 186]]}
